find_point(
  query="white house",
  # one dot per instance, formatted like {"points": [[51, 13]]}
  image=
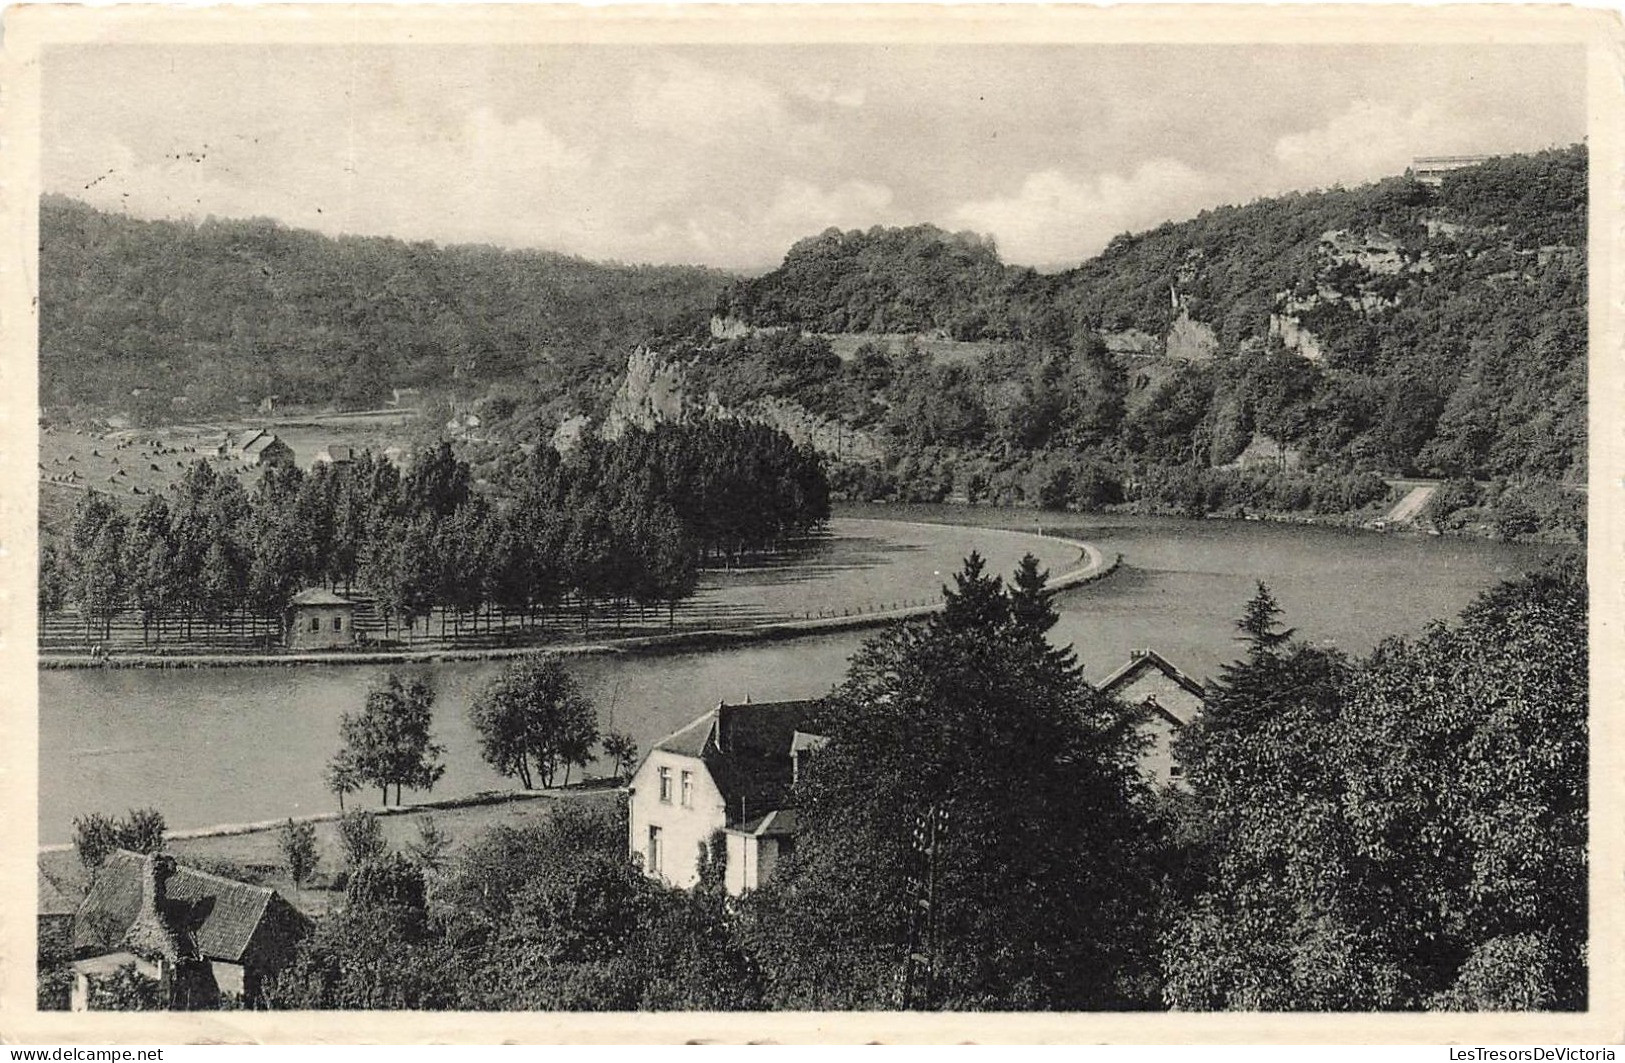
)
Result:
{"points": [[1170, 700], [730, 772]]}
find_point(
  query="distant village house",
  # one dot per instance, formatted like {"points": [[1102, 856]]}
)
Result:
{"points": [[730, 772], [335, 454]]}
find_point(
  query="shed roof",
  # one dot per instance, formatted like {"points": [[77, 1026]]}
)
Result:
{"points": [[319, 596]]}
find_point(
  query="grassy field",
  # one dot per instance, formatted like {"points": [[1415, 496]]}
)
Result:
{"points": [[256, 855], [132, 463]]}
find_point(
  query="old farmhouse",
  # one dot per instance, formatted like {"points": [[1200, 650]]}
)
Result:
{"points": [[728, 773], [1169, 700], [203, 938], [257, 447]]}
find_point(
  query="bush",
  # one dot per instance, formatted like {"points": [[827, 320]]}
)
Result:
{"points": [[362, 838], [298, 844]]}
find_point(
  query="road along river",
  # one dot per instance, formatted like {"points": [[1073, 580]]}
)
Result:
{"points": [[231, 745]]}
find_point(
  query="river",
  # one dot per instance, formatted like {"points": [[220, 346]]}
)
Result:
{"points": [[229, 745]]}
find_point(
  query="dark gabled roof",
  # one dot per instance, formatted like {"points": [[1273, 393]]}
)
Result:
{"points": [[691, 739], [260, 444], [1137, 665], [747, 749], [1143, 661], [220, 915]]}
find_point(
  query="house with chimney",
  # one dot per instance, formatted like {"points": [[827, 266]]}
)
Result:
{"points": [[1168, 700], [729, 773], [202, 938]]}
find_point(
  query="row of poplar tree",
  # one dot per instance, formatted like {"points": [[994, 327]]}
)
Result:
{"points": [[630, 520]]}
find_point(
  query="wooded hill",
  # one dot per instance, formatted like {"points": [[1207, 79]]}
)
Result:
{"points": [[1394, 328], [226, 309], [1390, 329]]}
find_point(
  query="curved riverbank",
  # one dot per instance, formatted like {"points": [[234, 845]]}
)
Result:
{"points": [[1093, 565]]}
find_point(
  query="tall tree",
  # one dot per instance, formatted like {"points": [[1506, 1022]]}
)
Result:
{"points": [[388, 742], [533, 714], [1040, 879]]}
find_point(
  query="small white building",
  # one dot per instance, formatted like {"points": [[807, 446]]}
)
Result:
{"points": [[729, 772], [1169, 700]]}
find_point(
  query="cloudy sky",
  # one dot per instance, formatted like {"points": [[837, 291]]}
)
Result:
{"points": [[727, 155]]}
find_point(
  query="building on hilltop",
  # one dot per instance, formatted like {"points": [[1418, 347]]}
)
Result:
{"points": [[203, 938], [334, 454], [318, 619], [729, 772], [1168, 699], [1430, 169]]}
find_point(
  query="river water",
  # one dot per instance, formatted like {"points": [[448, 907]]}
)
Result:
{"points": [[230, 745]]}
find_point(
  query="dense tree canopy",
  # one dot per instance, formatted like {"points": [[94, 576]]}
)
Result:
{"points": [[221, 309], [1402, 832], [1041, 884]]}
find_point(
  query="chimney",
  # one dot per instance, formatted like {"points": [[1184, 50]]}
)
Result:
{"points": [[1135, 655], [152, 933]]}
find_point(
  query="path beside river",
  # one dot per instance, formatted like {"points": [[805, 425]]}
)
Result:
{"points": [[729, 627]]}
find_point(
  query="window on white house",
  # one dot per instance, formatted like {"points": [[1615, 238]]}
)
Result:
{"points": [[665, 786], [338, 623], [315, 623], [688, 789], [654, 849]]}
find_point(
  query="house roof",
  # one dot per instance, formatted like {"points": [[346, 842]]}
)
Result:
{"points": [[55, 898], [318, 596], [1143, 661], [691, 739], [337, 452], [220, 915], [748, 751], [260, 443]]}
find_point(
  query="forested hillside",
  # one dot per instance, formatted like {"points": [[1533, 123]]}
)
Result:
{"points": [[917, 279], [1284, 356], [226, 309], [1395, 329]]}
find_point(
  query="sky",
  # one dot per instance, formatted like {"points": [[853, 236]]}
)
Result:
{"points": [[726, 155]]}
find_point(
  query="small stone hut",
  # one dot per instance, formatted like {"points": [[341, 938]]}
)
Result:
{"points": [[318, 619]]}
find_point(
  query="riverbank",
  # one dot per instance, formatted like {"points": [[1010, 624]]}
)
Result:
{"points": [[1093, 565], [253, 851]]}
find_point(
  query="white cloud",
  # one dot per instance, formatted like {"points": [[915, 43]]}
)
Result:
{"points": [[1369, 141], [1055, 218]]}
